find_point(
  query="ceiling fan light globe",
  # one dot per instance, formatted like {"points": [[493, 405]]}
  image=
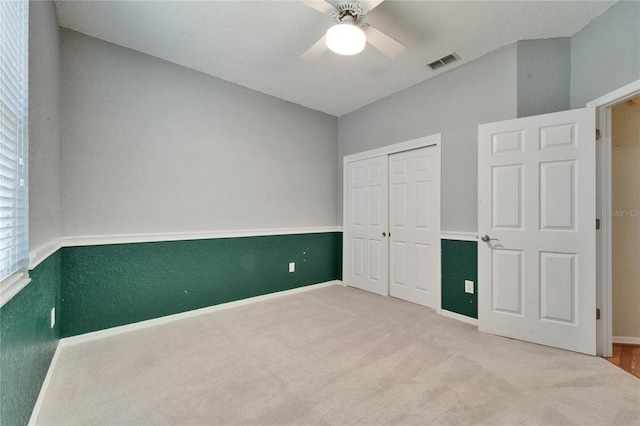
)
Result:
{"points": [[345, 39]]}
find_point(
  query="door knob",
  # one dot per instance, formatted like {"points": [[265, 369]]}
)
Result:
{"points": [[384, 234], [487, 238]]}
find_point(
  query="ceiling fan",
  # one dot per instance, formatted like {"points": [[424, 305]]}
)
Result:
{"points": [[349, 34]]}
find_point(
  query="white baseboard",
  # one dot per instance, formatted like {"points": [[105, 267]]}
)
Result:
{"points": [[458, 317], [45, 385], [101, 334], [626, 340]]}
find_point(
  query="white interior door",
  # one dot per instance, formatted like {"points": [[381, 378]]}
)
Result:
{"points": [[536, 198], [414, 225], [367, 218]]}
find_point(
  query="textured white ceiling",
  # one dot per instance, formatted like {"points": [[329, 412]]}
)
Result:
{"points": [[258, 44]]}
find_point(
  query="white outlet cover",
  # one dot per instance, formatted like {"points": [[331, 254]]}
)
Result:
{"points": [[53, 316], [292, 267], [468, 286]]}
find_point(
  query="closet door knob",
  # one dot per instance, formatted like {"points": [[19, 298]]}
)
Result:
{"points": [[384, 234]]}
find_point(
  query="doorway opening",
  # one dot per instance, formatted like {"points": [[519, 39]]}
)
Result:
{"points": [[618, 210]]}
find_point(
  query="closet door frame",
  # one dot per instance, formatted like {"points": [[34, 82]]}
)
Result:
{"points": [[432, 140]]}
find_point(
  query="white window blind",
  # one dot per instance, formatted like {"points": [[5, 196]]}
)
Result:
{"points": [[14, 50]]}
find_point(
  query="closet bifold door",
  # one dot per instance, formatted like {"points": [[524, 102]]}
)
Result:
{"points": [[414, 226], [367, 221]]}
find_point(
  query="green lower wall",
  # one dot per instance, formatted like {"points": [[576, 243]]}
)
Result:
{"points": [[27, 341], [459, 263], [111, 285]]}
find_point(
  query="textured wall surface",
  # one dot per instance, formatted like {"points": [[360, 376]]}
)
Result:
{"points": [[112, 285], [453, 103], [459, 263], [605, 55], [544, 74], [27, 342], [625, 176], [150, 146], [44, 125]]}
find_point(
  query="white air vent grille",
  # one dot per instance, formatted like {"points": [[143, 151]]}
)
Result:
{"points": [[443, 61]]}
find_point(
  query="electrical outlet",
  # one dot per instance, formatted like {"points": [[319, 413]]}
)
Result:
{"points": [[53, 317], [292, 266], [468, 287]]}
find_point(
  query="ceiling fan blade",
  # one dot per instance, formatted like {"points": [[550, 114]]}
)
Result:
{"points": [[369, 5], [316, 50], [320, 6], [382, 42]]}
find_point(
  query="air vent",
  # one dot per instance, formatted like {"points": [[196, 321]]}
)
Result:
{"points": [[443, 61]]}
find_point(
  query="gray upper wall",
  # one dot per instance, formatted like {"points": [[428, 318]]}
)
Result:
{"points": [[44, 126], [526, 78], [125, 114], [544, 73], [153, 147], [605, 55], [453, 104]]}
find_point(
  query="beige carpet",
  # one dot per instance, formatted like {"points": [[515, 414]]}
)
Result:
{"points": [[331, 356]]}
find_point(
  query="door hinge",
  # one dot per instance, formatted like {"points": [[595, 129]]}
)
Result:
{"points": [[597, 134], [597, 314], [597, 224]]}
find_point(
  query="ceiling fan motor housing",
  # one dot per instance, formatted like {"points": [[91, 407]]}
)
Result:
{"points": [[354, 10]]}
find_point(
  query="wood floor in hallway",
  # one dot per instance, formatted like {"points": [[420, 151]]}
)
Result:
{"points": [[626, 357]]}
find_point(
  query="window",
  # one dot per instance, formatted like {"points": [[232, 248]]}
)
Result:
{"points": [[14, 49]]}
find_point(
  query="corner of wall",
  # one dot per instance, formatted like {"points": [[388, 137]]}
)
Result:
{"points": [[28, 340]]}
